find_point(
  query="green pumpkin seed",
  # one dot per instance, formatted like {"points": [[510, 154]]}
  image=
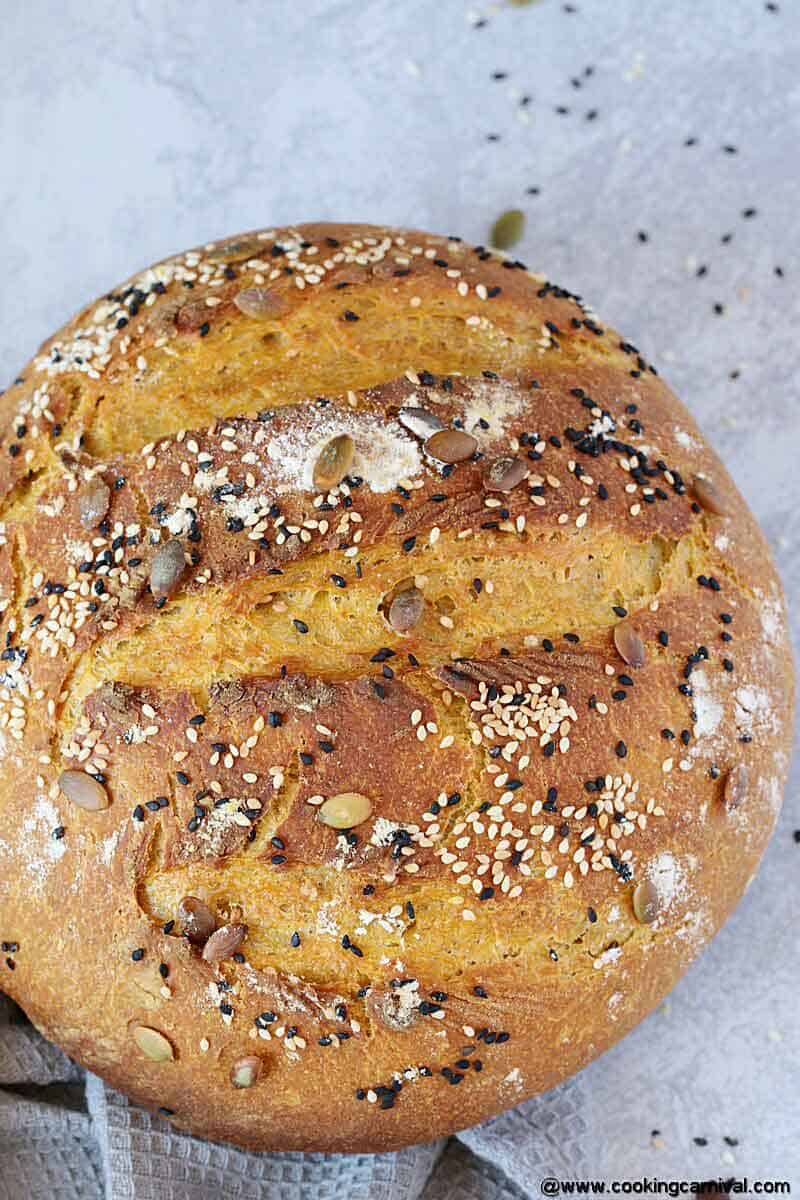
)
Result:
{"points": [[237, 251], [345, 810], [507, 229], [153, 1044]]}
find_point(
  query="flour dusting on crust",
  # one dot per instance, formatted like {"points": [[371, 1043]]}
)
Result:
{"points": [[488, 407], [708, 709], [43, 850], [384, 455]]}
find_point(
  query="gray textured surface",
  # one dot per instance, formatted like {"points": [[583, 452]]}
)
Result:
{"points": [[132, 130]]}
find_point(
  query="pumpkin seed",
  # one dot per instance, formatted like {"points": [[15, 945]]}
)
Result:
{"points": [[352, 273], [451, 446], [224, 942], [83, 790], [385, 268], [504, 474], [708, 496], [419, 421], [192, 315], [260, 302], [246, 1071], [196, 919], [237, 251], [166, 569], [93, 501], [646, 902], [334, 461], [406, 609], [345, 810], [737, 783], [153, 1044], [507, 229], [630, 646]]}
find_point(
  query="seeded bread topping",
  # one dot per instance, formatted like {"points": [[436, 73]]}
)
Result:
{"points": [[382, 712]]}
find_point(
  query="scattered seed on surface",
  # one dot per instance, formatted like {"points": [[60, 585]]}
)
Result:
{"points": [[646, 902], [196, 920], [167, 568], [345, 810], [504, 474], [406, 609], [93, 501], [419, 421], [83, 790], [708, 496], [153, 1044], [246, 1071], [334, 461], [507, 229], [451, 446], [737, 782], [260, 302], [629, 644], [224, 942]]}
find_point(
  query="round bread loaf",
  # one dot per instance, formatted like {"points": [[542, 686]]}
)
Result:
{"points": [[396, 688]]}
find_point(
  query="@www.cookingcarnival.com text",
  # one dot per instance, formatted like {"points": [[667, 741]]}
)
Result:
{"points": [[651, 1186]]}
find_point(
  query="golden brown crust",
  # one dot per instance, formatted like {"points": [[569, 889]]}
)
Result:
{"points": [[555, 827]]}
